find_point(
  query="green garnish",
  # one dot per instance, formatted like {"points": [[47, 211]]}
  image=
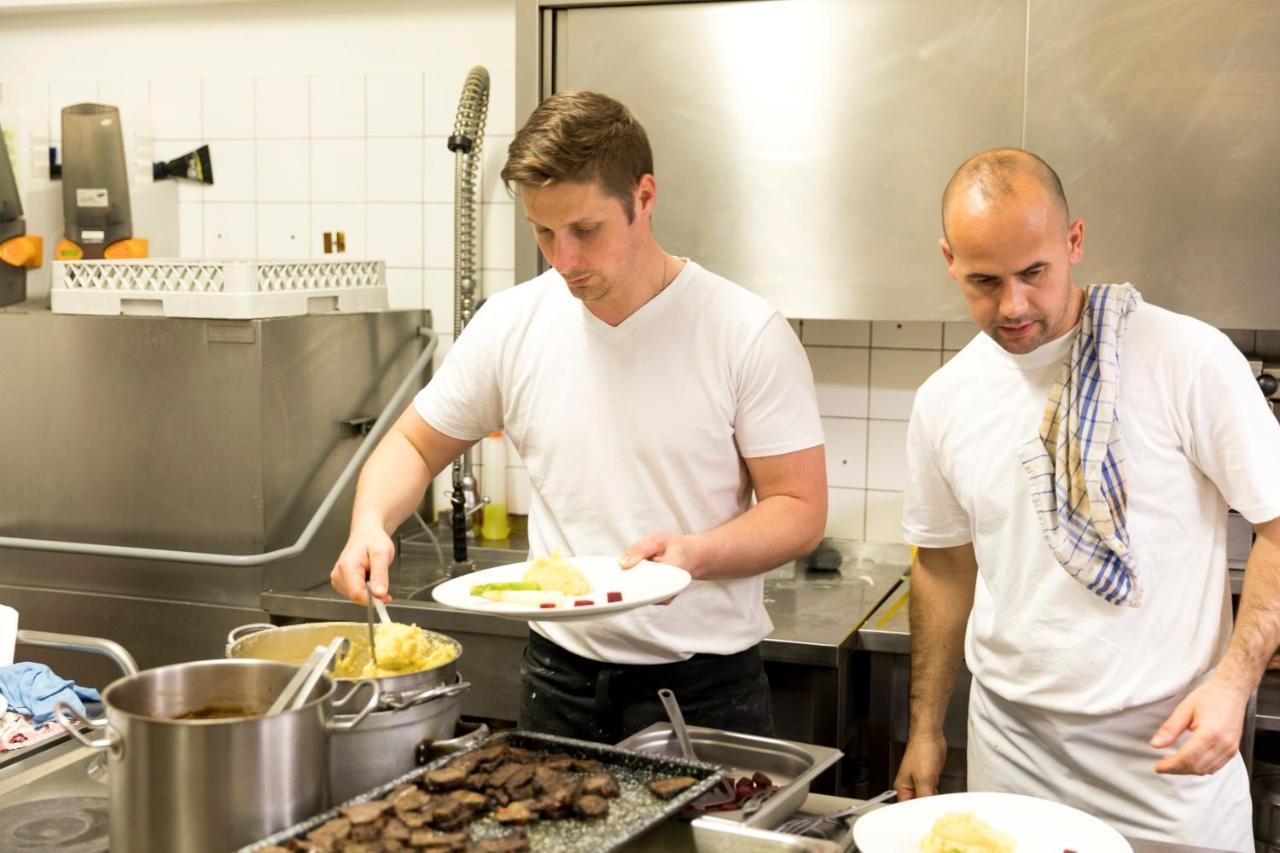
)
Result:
{"points": [[482, 588]]}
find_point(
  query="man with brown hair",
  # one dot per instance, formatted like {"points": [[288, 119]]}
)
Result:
{"points": [[648, 398]]}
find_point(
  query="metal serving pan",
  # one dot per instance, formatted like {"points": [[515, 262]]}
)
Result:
{"points": [[791, 766], [630, 814]]}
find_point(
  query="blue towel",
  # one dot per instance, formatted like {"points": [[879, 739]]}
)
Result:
{"points": [[32, 690], [1075, 466]]}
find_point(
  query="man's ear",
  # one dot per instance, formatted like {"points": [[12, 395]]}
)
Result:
{"points": [[947, 255]]}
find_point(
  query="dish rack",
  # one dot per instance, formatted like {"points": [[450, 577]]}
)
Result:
{"points": [[218, 289]]}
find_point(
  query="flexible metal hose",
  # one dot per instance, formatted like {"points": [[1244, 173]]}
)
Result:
{"points": [[466, 143]]}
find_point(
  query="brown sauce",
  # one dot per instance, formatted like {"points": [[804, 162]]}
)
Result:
{"points": [[218, 712]]}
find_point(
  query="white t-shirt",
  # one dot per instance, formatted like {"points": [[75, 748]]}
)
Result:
{"points": [[635, 429], [1197, 435]]}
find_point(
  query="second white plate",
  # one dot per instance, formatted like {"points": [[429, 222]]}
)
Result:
{"points": [[646, 583]]}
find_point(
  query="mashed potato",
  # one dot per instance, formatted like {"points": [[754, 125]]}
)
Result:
{"points": [[964, 833], [401, 649], [555, 573]]}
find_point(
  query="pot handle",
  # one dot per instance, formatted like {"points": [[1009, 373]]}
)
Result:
{"points": [[399, 701], [61, 711], [245, 630], [374, 699], [429, 749]]}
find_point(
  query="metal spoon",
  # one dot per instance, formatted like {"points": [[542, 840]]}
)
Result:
{"points": [[725, 792], [368, 611], [330, 652], [291, 689]]}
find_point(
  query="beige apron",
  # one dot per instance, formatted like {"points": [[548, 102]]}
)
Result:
{"points": [[1104, 765]]}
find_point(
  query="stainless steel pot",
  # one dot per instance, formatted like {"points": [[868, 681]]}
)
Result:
{"points": [[414, 707], [293, 643], [386, 746], [212, 782]]}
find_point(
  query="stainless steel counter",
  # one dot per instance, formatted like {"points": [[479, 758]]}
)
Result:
{"points": [[816, 616]]}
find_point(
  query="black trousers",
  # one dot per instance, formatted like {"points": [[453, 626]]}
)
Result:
{"points": [[565, 694]]}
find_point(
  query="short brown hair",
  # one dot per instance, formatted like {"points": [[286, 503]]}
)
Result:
{"points": [[581, 136]]}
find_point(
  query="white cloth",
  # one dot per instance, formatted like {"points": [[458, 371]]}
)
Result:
{"points": [[635, 429], [1090, 764]]}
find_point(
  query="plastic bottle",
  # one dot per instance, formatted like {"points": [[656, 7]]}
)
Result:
{"points": [[493, 455]]}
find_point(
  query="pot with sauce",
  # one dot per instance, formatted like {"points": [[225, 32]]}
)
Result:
{"points": [[421, 692], [195, 765]]}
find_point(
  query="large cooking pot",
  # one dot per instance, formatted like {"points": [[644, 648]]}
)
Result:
{"points": [[193, 764], [416, 707]]}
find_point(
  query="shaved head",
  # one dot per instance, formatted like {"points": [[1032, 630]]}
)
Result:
{"points": [[993, 178]]}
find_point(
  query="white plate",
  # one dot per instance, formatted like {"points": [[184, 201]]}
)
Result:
{"points": [[646, 583], [1037, 826]]}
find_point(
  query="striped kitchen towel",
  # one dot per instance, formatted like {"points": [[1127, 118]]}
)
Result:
{"points": [[1076, 464]]}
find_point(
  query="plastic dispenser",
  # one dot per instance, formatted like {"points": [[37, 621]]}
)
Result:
{"points": [[19, 252], [95, 187]]}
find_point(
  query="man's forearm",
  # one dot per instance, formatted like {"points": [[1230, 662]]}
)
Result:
{"points": [[777, 529], [942, 582], [391, 484], [1257, 630]]}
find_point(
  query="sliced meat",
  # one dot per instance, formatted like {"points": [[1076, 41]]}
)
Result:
{"points": [[665, 789], [499, 776], [477, 780], [329, 834], [414, 819], [601, 785], [558, 802], [587, 765], [446, 778], [591, 806], [470, 799], [364, 833], [545, 779], [362, 847], [515, 843], [395, 830], [365, 812], [448, 814], [520, 813], [560, 764], [410, 800], [425, 839]]}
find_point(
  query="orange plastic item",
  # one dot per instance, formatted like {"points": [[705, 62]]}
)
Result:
{"points": [[68, 251], [25, 251], [132, 247]]}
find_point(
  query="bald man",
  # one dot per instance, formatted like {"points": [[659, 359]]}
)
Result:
{"points": [[1123, 692]]}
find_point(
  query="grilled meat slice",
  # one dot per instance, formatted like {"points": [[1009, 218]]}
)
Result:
{"points": [[519, 813], [590, 806], [499, 776], [665, 789], [601, 785], [365, 812], [395, 830], [446, 778], [410, 800], [477, 780], [559, 763], [328, 835], [546, 779], [471, 799], [416, 819], [361, 847], [364, 833], [558, 802], [515, 843], [425, 839]]}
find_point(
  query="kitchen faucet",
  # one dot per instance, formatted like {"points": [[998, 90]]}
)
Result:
{"points": [[465, 143]]}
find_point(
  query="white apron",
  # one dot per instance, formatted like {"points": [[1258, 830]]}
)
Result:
{"points": [[1105, 766]]}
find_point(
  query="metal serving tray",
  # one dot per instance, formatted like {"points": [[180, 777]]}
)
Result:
{"points": [[630, 814], [791, 766]]}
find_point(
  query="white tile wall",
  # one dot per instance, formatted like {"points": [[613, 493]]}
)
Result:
{"points": [[227, 108], [282, 107], [866, 376]]}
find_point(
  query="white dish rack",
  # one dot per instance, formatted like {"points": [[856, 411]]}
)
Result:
{"points": [[218, 289]]}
